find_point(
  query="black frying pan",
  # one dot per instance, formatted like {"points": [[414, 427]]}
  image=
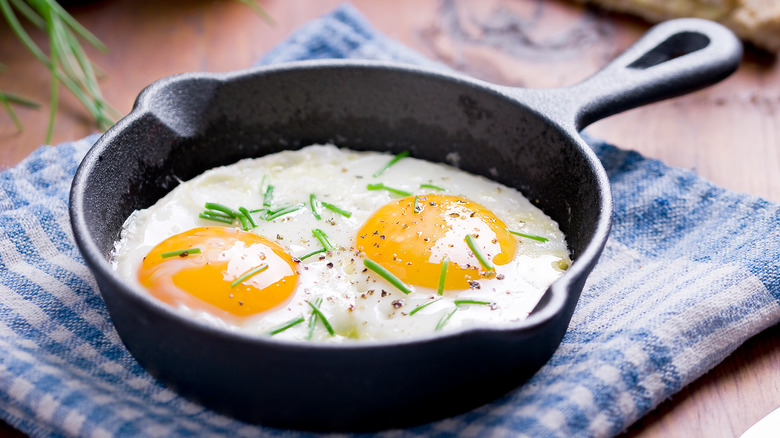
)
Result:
{"points": [[527, 139]]}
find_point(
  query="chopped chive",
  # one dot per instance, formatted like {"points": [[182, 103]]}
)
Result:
{"points": [[180, 253], [306, 256], [262, 183], [420, 307], [443, 275], [279, 207], [259, 210], [335, 209], [222, 208], [247, 275], [431, 186], [387, 275], [282, 212], [417, 207], [245, 212], [288, 324], [528, 236], [218, 213], [216, 218], [472, 243], [268, 196], [323, 238], [459, 302], [315, 210], [244, 222], [381, 186], [445, 318], [394, 160], [313, 319], [316, 309]]}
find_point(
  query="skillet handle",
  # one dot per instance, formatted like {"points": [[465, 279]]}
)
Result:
{"points": [[673, 58]]}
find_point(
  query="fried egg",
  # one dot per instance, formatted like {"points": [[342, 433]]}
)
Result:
{"points": [[331, 245]]}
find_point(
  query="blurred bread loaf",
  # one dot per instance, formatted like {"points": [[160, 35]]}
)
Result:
{"points": [[755, 21]]}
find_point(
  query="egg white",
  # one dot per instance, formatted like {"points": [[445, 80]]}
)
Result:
{"points": [[357, 303]]}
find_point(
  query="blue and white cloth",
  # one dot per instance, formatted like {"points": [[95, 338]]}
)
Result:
{"points": [[689, 273]]}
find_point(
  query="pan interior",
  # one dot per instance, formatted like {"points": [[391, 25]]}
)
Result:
{"points": [[198, 123]]}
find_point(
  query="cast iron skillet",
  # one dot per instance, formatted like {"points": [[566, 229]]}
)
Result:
{"points": [[528, 139]]}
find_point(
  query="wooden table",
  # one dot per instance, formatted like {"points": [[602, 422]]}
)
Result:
{"points": [[728, 133]]}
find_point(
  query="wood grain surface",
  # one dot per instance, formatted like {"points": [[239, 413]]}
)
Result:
{"points": [[728, 133]]}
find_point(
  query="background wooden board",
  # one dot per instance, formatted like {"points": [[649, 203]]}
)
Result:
{"points": [[727, 133]]}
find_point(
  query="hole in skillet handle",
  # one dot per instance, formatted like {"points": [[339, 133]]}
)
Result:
{"points": [[673, 47]]}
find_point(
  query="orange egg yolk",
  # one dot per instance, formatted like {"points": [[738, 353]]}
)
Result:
{"points": [[226, 272], [413, 244]]}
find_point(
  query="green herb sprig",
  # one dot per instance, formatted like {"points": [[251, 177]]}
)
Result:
{"points": [[457, 303], [313, 318], [67, 62], [445, 318], [249, 274], [316, 309], [306, 256], [323, 238], [285, 210], [180, 253], [472, 243], [387, 275], [443, 275], [382, 186], [392, 161], [336, 209], [315, 208], [422, 306], [291, 323], [528, 236]]}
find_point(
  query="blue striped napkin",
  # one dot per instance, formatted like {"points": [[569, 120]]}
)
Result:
{"points": [[689, 273]]}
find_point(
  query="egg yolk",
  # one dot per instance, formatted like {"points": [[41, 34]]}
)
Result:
{"points": [[412, 244], [227, 272]]}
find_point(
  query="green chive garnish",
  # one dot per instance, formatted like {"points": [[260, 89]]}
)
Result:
{"points": [[394, 160], [217, 213], [420, 307], [323, 238], [248, 216], [445, 318], [268, 196], [313, 319], [316, 309], [271, 215], [459, 302], [217, 218], [315, 210], [472, 243], [431, 186], [288, 324], [222, 208], [180, 253], [381, 186], [528, 236], [387, 275], [335, 209], [417, 207], [246, 275], [304, 257], [244, 222], [443, 276]]}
